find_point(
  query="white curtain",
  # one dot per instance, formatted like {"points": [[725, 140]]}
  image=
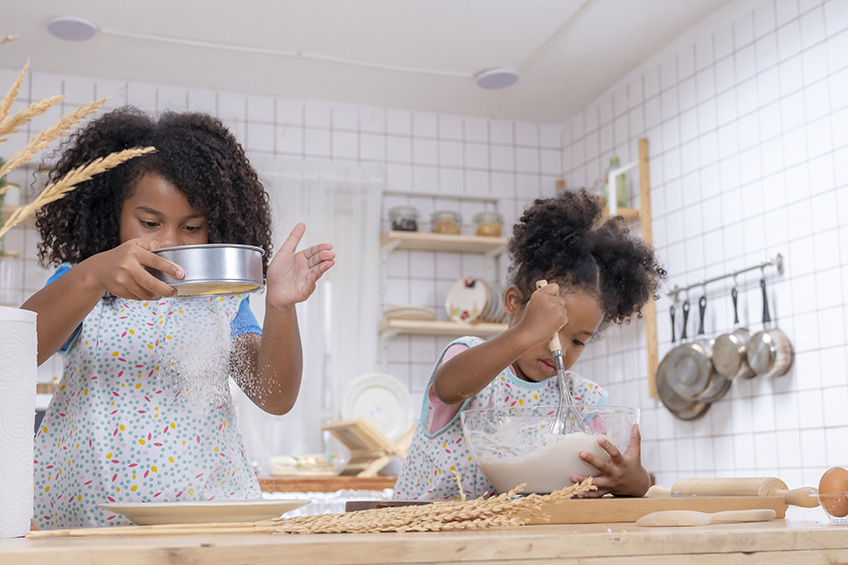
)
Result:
{"points": [[340, 204]]}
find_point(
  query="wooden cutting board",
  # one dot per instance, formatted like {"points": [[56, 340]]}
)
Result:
{"points": [[615, 509]]}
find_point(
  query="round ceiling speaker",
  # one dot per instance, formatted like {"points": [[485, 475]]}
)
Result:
{"points": [[496, 77], [72, 28]]}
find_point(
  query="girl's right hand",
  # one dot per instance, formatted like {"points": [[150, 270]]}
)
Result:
{"points": [[544, 314], [121, 271]]}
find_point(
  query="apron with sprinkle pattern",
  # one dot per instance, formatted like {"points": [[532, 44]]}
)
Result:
{"points": [[143, 413]]}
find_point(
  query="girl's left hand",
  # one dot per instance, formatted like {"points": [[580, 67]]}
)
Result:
{"points": [[292, 275], [623, 474]]}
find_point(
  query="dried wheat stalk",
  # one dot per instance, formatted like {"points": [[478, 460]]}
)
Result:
{"points": [[501, 510], [12, 94], [22, 117], [56, 190], [498, 511], [44, 138]]}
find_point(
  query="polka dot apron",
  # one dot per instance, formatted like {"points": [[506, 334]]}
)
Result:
{"points": [[143, 413], [434, 455]]}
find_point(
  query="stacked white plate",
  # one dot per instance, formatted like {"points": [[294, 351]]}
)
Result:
{"points": [[473, 299], [409, 313], [381, 398]]}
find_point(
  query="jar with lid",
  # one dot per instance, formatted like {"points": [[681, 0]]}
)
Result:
{"points": [[404, 218], [446, 222], [488, 223]]}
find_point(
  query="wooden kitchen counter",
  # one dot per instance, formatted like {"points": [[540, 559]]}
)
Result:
{"points": [[775, 542]]}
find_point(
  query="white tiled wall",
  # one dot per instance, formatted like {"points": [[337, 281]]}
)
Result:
{"points": [[433, 161], [747, 118]]}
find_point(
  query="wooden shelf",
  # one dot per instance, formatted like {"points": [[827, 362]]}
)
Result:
{"points": [[28, 222], [324, 484], [447, 329], [627, 214], [8, 254], [442, 242]]}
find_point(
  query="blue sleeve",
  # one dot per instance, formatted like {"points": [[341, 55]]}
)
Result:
{"points": [[244, 322], [60, 271]]}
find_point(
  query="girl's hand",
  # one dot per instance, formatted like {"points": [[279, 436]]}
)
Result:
{"points": [[544, 314], [623, 475], [292, 276], [121, 271]]}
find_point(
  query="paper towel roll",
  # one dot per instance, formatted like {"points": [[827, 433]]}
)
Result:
{"points": [[18, 364]]}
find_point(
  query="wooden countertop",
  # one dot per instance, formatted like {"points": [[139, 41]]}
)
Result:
{"points": [[778, 541]]}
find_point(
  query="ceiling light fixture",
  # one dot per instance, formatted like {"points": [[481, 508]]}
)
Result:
{"points": [[72, 28], [496, 77]]}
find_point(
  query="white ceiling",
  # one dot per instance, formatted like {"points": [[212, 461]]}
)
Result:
{"points": [[567, 52]]}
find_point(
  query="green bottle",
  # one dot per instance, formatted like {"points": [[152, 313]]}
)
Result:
{"points": [[620, 184]]}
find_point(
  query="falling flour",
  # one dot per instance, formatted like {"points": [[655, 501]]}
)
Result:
{"points": [[198, 358]]}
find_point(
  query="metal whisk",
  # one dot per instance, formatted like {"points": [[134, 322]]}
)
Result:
{"points": [[565, 398]]}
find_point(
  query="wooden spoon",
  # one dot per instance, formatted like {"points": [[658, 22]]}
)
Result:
{"points": [[693, 518]]}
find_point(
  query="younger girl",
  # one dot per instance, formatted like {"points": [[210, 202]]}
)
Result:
{"points": [[143, 412], [598, 274]]}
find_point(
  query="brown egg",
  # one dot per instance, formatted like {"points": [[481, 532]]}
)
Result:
{"points": [[833, 491]]}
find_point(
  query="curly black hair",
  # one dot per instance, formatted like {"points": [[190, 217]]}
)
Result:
{"points": [[194, 152], [564, 240]]}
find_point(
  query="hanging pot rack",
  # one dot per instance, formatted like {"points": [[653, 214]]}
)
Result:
{"points": [[775, 262]]}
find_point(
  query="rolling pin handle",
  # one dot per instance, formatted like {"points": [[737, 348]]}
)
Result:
{"points": [[804, 497]]}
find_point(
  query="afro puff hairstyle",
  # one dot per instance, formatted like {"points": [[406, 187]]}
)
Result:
{"points": [[564, 240], [194, 152]]}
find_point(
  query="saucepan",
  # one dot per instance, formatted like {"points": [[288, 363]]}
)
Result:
{"points": [[689, 363], [770, 351], [683, 408], [213, 268], [730, 351], [691, 372]]}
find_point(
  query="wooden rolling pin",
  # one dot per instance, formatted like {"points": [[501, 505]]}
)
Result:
{"points": [[750, 486]]}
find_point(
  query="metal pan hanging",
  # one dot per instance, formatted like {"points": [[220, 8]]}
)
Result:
{"points": [[770, 351], [681, 407], [717, 384], [730, 351]]}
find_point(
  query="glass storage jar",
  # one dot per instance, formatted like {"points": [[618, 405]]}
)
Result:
{"points": [[404, 218], [488, 223], [446, 222]]}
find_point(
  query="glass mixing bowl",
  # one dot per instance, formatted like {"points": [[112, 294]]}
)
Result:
{"points": [[516, 445]]}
